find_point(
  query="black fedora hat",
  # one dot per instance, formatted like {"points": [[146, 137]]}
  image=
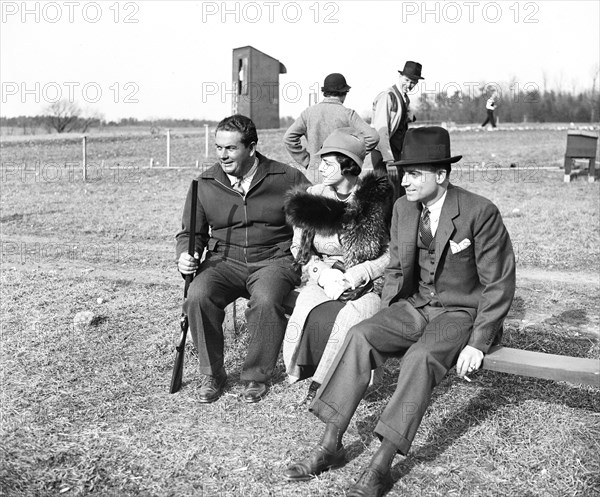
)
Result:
{"points": [[335, 82], [412, 70], [429, 145]]}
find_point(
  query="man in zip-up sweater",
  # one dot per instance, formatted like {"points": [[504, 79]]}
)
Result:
{"points": [[241, 223], [317, 122]]}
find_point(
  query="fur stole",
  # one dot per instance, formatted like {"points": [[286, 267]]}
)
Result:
{"points": [[363, 223]]}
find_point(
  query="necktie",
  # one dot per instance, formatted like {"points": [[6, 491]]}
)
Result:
{"points": [[408, 117], [425, 228], [237, 186]]}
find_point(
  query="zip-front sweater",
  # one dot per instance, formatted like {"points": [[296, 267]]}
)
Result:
{"points": [[248, 228]]}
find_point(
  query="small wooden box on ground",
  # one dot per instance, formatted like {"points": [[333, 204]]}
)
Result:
{"points": [[581, 145]]}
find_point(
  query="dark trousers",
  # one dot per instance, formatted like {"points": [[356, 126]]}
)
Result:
{"points": [[490, 118], [379, 168], [220, 282], [431, 339]]}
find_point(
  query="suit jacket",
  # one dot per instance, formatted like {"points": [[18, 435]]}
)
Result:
{"points": [[474, 260]]}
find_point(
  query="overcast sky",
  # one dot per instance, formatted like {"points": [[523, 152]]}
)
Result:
{"points": [[150, 59]]}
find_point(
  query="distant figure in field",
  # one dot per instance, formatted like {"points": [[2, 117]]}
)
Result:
{"points": [[241, 223], [490, 107], [391, 115], [317, 122]]}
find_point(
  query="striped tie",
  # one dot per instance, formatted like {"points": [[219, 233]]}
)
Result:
{"points": [[237, 186], [425, 228]]}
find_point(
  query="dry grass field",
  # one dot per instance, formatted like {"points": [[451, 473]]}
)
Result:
{"points": [[86, 409]]}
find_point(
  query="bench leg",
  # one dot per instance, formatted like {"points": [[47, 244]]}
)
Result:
{"points": [[568, 165], [592, 170]]}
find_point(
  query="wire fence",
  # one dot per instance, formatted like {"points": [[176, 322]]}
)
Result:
{"points": [[168, 149]]}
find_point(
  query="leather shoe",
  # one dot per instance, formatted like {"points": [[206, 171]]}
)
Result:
{"points": [[211, 387], [312, 392], [319, 460], [371, 483], [255, 391]]}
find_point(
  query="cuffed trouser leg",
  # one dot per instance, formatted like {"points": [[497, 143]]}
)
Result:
{"points": [[431, 349], [391, 330], [423, 367]]}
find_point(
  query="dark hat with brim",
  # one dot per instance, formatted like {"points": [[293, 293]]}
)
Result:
{"points": [[335, 82], [412, 70], [427, 146]]}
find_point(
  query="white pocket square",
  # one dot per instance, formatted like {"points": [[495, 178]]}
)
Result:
{"points": [[457, 247]]}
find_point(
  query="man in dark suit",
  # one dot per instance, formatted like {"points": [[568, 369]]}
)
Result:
{"points": [[448, 288]]}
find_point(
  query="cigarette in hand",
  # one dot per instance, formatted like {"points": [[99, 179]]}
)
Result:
{"points": [[466, 378]]}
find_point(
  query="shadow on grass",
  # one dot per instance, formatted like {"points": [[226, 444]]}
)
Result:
{"points": [[561, 334], [497, 391], [18, 217], [485, 405], [517, 309], [98, 320]]}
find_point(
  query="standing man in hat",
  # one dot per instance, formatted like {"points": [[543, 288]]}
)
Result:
{"points": [[318, 121], [447, 290], [391, 115]]}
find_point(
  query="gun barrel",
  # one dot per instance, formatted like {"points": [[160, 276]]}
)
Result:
{"points": [[177, 376]]}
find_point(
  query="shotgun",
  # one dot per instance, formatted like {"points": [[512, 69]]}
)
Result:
{"points": [[183, 320]]}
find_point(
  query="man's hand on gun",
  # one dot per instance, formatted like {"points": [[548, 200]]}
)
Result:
{"points": [[188, 264]]}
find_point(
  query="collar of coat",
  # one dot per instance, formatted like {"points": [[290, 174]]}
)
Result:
{"points": [[328, 216], [362, 223], [266, 166]]}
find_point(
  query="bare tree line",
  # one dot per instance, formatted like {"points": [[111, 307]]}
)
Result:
{"points": [[515, 105]]}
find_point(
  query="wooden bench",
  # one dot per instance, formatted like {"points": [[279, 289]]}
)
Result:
{"points": [[525, 362]]}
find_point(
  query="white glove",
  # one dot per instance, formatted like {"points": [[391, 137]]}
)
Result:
{"points": [[332, 281], [329, 276], [334, 290]]}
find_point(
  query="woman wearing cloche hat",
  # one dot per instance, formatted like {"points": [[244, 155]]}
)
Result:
{"points": [[341, 235]]}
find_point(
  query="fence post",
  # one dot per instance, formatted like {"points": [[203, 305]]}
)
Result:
{"points": [[206, 140], [84, 161], [168, 148]]}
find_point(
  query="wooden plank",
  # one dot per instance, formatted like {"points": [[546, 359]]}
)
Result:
{"points": [[525, 362], [582, 132], [540, 365]]}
